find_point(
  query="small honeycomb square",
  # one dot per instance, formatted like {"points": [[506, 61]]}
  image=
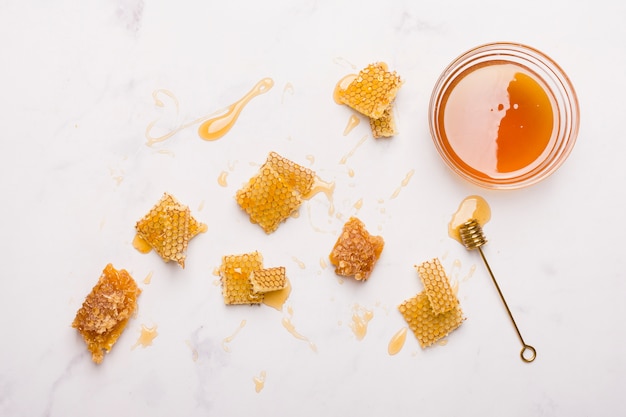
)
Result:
{"points": [[275, 192], [372, 91], [168, 228], [437, 286], [235, 273], [427, 326], [268, 279]]}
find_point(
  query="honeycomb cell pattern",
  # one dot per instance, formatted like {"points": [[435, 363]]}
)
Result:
{"points": [[275, 192], [437, 286], [106, 310], [235, 273], [427, 326], [372, 91], [384, 126], [268, 279], [168, 228], [356, 251]]}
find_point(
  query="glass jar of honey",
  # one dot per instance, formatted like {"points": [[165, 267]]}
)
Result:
{"points": [[504, 116]]}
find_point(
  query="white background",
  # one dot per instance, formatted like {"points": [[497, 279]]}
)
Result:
{"points": [[77, 80]]}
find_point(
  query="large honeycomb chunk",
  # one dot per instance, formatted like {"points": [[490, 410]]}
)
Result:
{"points": [[168, 228], [356, 251], [427, 326], [268, 279], [437, 286], [275, 192], [372, 91], [235, 278], [106, 311]]}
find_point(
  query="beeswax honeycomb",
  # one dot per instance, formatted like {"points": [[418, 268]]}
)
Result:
{"points": [[106, 310], [437, 286], [384, 126], [268, 279], [168, 227], [372, 91], [275, 192], [427, 326], [356, 251], [235, 278]]}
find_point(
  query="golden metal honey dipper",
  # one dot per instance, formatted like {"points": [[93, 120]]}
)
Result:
{"points": [[472, 237]]}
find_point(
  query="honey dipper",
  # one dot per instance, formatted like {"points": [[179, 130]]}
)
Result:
{"points": [[472, 237]]}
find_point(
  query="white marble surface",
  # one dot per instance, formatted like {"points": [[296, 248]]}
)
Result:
{"points": [[76, 174]]}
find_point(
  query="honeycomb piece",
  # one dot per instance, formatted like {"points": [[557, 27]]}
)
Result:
{"points": [[437, 286], [356, 251], [168, 227], [384, 126], [235, 277], [275, 192], [268, 279], [372, 91], [106, 310], [427, 326]]}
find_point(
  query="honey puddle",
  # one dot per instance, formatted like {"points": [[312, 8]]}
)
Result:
{"points": [[323, 263], [360, 320], [397, 341], [353, 122], [141, 245], [259, 381], [148, 334], [344, 159], [276, 299], [148, 278], [213, 126], [287, 324], [320, 186], [221, 180], [230, 338], [404, 183], [473, 207], [358, 204]]}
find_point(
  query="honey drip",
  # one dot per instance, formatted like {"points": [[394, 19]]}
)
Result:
{"points": [[276, 299], [320, 186], [221, 180], [287, 324], [299, 262], [259, 381], [148, 278], [358, 204], [472, 207], [213, 126], [148, 334], [404, 183], [141, 245], [353, 122], [194, 351], [360, 320], [288, 89], [230, 338], [397, 341], [344, 159], [218, 126], [311, 159]]}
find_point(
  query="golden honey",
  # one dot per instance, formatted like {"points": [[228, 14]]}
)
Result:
{"points": [[497, 119]]}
